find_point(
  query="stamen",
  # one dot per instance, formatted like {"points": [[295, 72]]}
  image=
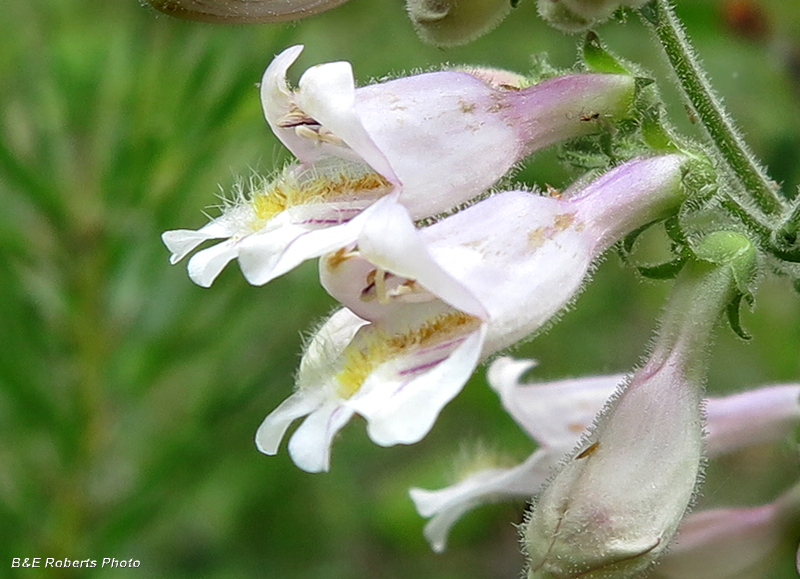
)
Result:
{"points": [[319, 185]]}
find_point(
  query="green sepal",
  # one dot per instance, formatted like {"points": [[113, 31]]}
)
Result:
{"points": [[732, 249], [674, 231], [650, 12], [598, 59], [668, 270], [653, 131], [734, 315], [796, 285]]}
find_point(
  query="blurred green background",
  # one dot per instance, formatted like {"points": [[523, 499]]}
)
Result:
{"points": [[129, 397]]}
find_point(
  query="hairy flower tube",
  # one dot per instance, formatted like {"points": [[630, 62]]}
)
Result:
{"points": [[617, 501], [735, 542], [241, 11], [555, 414], [435, 140], [424, 307]]}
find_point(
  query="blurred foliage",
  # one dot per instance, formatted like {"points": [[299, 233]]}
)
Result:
{"points": [[129, 397]]}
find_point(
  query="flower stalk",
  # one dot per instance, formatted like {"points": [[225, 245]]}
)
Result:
{"points": [[736, 154]]}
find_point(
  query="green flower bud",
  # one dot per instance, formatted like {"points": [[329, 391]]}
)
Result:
{"points": [[579, 15], [454, 22]]}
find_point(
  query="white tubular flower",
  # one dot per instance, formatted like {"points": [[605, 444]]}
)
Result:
{"points": [[555, 414], [243, 11], [350, 363], [617, 501], [356, 146], [513, 260], [438, 300], [741, 543]]}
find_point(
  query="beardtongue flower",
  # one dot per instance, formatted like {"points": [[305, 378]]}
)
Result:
{"points": [[617, 501], [436, 140], [426, 306], [555, 414]]}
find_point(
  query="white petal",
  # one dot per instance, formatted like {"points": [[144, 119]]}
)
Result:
{"points": [[327, 93], [401, 411], [310, 445], [272, 429], [552, 413], [204, 266], [181, 241], [447, 505], [390, 241], [265, 256]]}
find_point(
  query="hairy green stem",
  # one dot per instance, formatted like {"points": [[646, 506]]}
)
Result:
{"points": [[661, 18]]}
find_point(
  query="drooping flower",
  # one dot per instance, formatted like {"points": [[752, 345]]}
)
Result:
{"points": [[440, 299], [435, 140], [617, 500], [555, 414], [243, 11]]}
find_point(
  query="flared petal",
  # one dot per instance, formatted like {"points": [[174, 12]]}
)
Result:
{"points": [[445, 506], [310, 445], [273, 428], [402, 399]]}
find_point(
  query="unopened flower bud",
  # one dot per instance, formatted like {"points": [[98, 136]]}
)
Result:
{"points": [[243, 11], [579, 15], [454, 22], [616, 503]]}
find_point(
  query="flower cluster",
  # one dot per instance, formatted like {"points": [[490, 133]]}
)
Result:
{"points": [[436, 271]]}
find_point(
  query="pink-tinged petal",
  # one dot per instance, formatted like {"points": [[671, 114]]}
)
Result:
{"points": [[310, 445], [605, 203], [566, 106], [752, 417], [273, 428], [552, 413], [204, 266], [400, 410], [722, 543], [445, 506], [462, 129]]}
